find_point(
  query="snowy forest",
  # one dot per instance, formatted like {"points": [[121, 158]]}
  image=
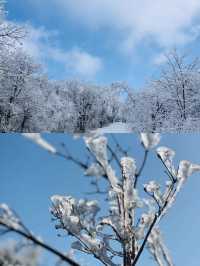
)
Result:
{"points": [[31, 102]]}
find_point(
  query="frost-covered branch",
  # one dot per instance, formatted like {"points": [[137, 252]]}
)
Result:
{"points": [[12, 223], [9, 32], [132, 221]]}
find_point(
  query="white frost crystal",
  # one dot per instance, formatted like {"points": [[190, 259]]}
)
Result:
{"points": [[165, 153], [72, 214], [186, 169], [150, 140], [98, 146], [152, 186], [37, 138], [145, 221], [95, 170]]}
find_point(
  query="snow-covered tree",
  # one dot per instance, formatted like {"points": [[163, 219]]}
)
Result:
{"points": [[10, 33], [179, 86], [17, 68], [30, 102]]}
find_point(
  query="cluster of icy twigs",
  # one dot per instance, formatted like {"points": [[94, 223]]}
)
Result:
{"points": [[119, 237]]}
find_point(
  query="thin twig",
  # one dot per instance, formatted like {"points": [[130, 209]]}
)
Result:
{"points": [[156, 218], [141, 168], [124, 152], [71, 158]]}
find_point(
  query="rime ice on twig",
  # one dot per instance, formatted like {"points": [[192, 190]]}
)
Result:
{"points": [[37, 138], [150, 140], [125, 231]]}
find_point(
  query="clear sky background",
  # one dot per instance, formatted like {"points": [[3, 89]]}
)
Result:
{"points": [[29, 176], [104, 40]]}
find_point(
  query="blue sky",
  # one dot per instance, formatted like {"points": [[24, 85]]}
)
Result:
{"points": [[30, 176], [105, 41]]}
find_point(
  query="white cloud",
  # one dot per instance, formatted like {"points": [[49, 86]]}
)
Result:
{"points": [[83, 63], [36, 41], [165, 22], [39, 43], [77, 62]]}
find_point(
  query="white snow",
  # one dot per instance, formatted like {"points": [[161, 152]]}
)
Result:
{"points": [[117, 127]]}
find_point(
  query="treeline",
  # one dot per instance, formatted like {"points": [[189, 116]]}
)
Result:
{"points": [[30, 102]]}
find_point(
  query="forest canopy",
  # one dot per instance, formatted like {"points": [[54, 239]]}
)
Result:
{"points": [[31, 102]]}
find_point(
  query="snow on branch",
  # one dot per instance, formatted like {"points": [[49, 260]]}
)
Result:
{"points": [[37, 138], [125, 231], [132, 220]]}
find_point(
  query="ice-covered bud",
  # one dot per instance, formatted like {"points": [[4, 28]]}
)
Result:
{"points": [[94, 170], [74, 215], [145, 221], [89, 207], [150, 140], [154, 188], [147, 218], [93, 244], [72, 223], [128, 167], [165, 153], [151, 187], [93, 207], [36, 137], [64, 210], [62, 204], [98, 146], [186, 169]]}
